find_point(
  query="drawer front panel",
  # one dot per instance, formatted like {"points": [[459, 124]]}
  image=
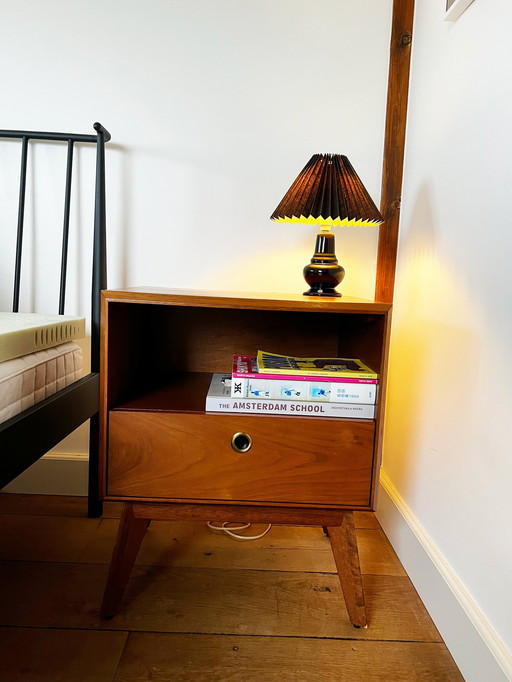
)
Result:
{"points": [[190, 456]]}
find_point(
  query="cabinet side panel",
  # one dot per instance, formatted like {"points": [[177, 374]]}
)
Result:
{"points": [[381, 406], [129, 350]]}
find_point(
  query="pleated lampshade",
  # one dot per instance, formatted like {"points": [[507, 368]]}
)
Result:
{"points": [[328, 191]]}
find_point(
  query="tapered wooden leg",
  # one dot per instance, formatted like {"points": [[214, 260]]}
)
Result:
{"points": [[129, 538], [344, 547]]}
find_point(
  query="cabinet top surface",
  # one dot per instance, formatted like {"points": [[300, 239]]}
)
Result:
{"points": [[243, 299]]}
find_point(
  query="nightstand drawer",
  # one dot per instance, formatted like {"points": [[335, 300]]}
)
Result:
{"points": [[293, 460]]}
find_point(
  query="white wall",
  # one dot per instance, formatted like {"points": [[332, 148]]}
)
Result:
{"points": [[214, 108], [447, 443]]}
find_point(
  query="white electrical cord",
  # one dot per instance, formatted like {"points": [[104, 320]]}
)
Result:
{"points": [[223, 528]]}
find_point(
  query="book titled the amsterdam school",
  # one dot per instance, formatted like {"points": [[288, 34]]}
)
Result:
{"points": [[272, 363], [219, 399]]}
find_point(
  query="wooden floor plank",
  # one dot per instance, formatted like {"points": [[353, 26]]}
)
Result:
{"points": [[210, 601], [366, 520], [284, 548], [34, 655], [53, 505], [45, 538], [181, 658], [201, 606], [376, 554]]}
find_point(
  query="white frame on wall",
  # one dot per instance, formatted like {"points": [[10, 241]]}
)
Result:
{"points": [[454, 8]]}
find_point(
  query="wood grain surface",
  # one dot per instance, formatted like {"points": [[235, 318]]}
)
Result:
{"points": [[202, 606], [189, 456], [257, 659]]}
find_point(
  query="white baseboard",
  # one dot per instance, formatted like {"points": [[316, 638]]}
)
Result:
{"points": [[475, 646], [53, 474]]}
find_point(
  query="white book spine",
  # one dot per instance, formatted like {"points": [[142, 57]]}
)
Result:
{"points": [[318, 391], [289, 407], [239, 387]]}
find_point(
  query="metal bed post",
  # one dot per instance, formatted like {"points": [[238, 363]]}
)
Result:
{"points": [[99, 282], [65, 229], [21, 217]]}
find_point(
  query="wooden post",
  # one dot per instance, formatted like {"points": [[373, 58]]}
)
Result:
{"points": [[129, 538], [394, 144], [346, 556]]}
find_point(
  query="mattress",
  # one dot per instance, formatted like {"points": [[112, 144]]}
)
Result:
{"points": [[24, 333], [33, 377]]}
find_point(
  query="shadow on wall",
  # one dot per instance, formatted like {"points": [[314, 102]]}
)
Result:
{"points": [[117, 244]]}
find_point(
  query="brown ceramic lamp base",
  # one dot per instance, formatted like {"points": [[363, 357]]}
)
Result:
{"points": [[323, 273]]}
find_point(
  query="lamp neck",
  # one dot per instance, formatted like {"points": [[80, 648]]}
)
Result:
{"points": [[324, 247]]}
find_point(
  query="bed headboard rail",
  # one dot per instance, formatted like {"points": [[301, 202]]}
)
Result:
{"points": [[99, 268]]}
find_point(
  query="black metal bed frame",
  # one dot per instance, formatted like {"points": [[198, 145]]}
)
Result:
{"points": [[29, 435]]}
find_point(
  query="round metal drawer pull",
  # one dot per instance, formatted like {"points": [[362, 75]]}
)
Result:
{"points": [[241, 442]]}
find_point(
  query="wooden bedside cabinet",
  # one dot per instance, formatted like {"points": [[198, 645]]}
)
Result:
{"points": [[166, 458]]}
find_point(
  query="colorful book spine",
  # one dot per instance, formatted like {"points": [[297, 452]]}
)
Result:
{"points": [[219, 399], [246, 367], [316, 367], [318, 391]]}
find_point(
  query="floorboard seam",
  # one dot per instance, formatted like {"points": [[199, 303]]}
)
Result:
{"points": [[200, 633]]}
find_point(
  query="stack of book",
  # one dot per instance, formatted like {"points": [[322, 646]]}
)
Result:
{"points": [[279, 384]]}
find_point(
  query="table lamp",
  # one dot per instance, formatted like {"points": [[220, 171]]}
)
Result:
{"points": [[326, 192]]}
